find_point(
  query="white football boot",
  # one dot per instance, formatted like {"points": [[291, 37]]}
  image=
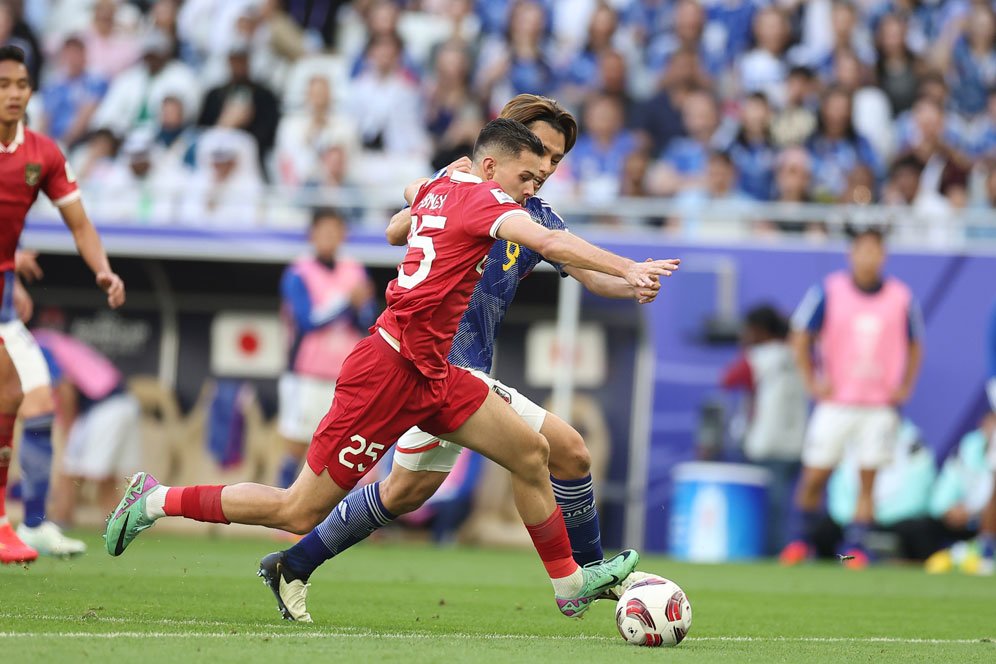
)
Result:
{"points": [[48, 540]]}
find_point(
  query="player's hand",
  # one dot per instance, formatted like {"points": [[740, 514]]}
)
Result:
{"points": [[361, 295], [648, 273], [26, 265], [24, 306], [463, 165], [901, 395], [819, 389], [111, 284]]}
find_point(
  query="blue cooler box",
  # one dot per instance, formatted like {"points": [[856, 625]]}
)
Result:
{"points": [[719, 512]]}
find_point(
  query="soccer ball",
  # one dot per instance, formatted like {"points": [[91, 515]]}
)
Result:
{"points": [[653, 612]]}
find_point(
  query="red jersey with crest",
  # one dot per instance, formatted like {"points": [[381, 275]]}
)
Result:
{"points": [[31, 163], [455, 221]]}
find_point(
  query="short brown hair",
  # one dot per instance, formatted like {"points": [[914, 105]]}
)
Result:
{"points": [[528, 109]]}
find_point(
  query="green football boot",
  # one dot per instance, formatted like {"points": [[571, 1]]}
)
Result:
{"points": [[129, 519], [598, 578]]}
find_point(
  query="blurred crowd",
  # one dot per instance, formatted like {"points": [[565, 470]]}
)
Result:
{"points": [[715, 101]]}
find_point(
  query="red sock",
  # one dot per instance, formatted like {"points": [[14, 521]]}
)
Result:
{"points": [[553, 546], [200, 503], [6, 452]]}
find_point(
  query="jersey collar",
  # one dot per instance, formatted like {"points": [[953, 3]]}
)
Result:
{"points": [[460, 176], [18, 140]]}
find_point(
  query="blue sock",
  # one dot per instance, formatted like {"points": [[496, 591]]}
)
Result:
{"points": [[36, 467], [854, 535], [289, 468], [359, 514], [804, 524], [577, 501]]}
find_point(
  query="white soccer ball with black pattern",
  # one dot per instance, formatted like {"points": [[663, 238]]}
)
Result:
{"points": [[654, 612]]}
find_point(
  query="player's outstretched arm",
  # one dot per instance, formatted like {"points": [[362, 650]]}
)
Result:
{"points": [[397, 230], [571, 251], [92, 251], [605, 285]]}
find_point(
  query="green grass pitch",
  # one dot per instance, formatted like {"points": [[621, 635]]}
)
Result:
{"points": [[172, 597]]}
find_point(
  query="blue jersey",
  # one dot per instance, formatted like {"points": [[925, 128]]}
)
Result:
{"points": [[506, 265]]}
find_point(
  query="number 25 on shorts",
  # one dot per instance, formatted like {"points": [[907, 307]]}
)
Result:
{"points": [[360, 448]]}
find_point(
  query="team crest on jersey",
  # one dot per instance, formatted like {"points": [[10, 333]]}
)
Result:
{"points": [[502, 197], [32, 174]]}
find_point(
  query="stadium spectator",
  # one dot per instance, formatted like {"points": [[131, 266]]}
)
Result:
{"points": [[966, 52], [71, 99], [110, 49], [777, 410], [102, 419], [683, 162], [688, 25], [903, 184], [706, 210], [820, 47], [753, 151], [796, 121], [226, 187], [870, 112], [94, 159], [583, 68], [318, 20], [300, 133], [836, 147], [793, 183], [453, 117], [518, 62], [601, 149], [332, 169], [385, 104], [136, 95], [764, 69], [381, 18], [258, 109], [142, 187], [174, 136], [657, 119], [15, 32], [613, 79], [897, 68]]}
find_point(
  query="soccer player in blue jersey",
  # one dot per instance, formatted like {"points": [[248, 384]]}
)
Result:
{"points": [[422, 461]]}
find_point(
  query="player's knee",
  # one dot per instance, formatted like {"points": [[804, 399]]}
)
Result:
{"points": [[405, 491], [572, 460], [534, 458]]}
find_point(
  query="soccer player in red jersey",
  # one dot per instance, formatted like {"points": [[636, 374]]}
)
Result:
{"points": [[399, 376], [30, 163]]}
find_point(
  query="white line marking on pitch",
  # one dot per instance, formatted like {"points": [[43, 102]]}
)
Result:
{"points": [[302, 634]]}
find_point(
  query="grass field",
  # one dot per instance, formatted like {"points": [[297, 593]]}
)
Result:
{"points": [[170, 597]]}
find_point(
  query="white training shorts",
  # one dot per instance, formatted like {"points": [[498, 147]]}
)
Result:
{"points": [[871, 430], [27, 357], [105, 441], [304, 401], [418, 450]]}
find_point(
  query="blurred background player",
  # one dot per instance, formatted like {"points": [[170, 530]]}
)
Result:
{"points": [[101, 417], [422, 461], [869, 329], [36, 413], [29, 163], [777, 420], [328, 304]]}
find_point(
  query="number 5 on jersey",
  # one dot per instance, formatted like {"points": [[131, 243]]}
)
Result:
{"points": [[416, 241], [361, 447]]}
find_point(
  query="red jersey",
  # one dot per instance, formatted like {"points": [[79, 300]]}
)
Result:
{"points": [[32, 162], [454, 223]]}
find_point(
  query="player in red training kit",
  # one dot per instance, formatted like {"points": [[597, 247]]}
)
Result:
{"points": [[399, 377], [30, 163]]}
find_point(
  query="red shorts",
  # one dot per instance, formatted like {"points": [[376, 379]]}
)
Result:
{"points": [[379, 396]]}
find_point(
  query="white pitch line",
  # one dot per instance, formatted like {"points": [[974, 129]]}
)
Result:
{"points": [[487, 637]]}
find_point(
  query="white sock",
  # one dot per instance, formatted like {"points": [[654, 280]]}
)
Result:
{"points": [[3, 519], [156, 502], [569, 586]]}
